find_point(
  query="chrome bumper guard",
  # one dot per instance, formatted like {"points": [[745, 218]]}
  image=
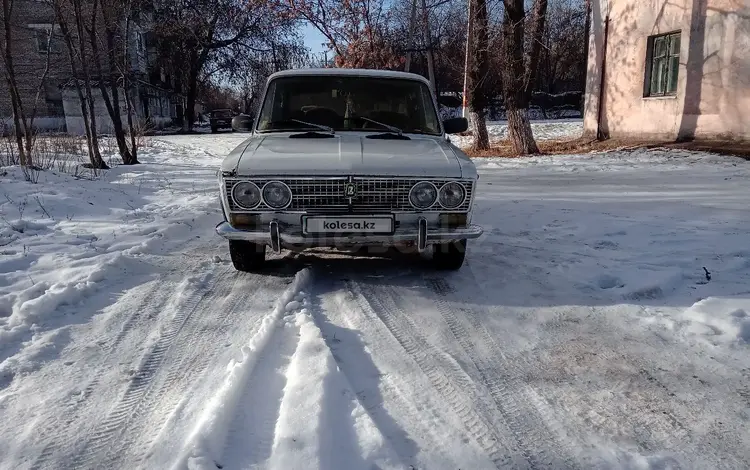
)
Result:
{"points": [[422, 236]]}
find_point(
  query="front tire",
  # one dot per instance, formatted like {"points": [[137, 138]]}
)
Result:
{"points": [[449, 256], [247, 257]]}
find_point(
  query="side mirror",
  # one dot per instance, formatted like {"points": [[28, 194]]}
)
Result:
{"points": [[242, 123], [456, 125]]}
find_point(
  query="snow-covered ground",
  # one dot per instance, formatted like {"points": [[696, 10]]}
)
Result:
{"points": [[583, 332], [553, 129]]}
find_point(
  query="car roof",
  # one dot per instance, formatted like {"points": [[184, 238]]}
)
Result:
{"points": [[350, 73]]}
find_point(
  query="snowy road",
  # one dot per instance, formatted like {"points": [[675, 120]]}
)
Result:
{"points": [[582, 333]]}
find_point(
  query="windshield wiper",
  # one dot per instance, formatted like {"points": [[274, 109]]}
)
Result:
{"points": [[388, 136], [317, 126], [310, 125], [393, 129]]}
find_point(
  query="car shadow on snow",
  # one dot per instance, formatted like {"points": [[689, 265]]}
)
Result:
{"points": [[363, 378]]}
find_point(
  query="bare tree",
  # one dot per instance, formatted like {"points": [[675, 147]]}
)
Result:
{"points": [[562, 63], [357, 31], [23, 122], [478, 71], [10, 77], [191, 31], [112, 17], [519, 70], [70, 16]]}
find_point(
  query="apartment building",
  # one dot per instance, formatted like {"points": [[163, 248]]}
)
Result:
{"points": [[45, 77]]}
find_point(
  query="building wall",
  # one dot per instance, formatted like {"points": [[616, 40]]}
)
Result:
{"points": [[58, 108], [28, 18], [713, 89], [159, 110]]}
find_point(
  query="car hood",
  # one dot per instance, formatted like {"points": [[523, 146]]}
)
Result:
{"points": [[344, 154]]}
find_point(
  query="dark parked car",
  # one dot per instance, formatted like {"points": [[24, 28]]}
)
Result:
{"points": [[221, 119]]}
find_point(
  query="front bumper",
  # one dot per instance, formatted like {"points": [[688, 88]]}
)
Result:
{"points": [[421, 236]]}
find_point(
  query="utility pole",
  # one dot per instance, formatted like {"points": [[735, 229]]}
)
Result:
{"points": [[467, 61], [428, 45], [412, 26]]}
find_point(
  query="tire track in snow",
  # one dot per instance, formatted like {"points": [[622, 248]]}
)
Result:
{"points": [[668, 417], [372, 362], [204, 447], [660, 421], [527, 421], [251, 433], [145, 309], [104, 440], [192, 358], [450, 383], [653, 415]]}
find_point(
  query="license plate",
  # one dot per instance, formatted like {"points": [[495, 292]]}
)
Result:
{"points": [[348, 224]]}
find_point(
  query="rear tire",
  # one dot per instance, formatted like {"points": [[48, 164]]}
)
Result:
{"points": [[449, 256], [247, 257], [214, 130]]}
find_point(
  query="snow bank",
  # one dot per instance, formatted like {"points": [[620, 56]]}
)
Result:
{"points": [[67, 239], [715, 321]]}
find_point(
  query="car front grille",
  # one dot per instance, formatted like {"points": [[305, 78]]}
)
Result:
{"points": [[327, 195]]}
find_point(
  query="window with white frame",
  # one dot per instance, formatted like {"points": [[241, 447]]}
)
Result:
{"points": [[662, 65]]}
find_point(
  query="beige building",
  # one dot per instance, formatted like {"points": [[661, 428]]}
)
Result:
{"points": [[37, 46], [669, 69]]}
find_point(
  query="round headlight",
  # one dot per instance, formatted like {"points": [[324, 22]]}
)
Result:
{"points": [[452, 195], [423, 195], [277, 195], [246, 195]]}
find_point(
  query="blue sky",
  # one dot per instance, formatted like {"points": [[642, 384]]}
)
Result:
{"points": [[313, 39]]}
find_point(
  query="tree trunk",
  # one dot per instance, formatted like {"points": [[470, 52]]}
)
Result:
{"points": [[96, 163], [25, 159], [428, 44], [517, 75], [10, 76], [96, 157], [192, 91], [478, 72], [519, 132], [190, 106], [29, 124], [479, 129], [412, 27], [112, 104], [539, 17], [133, 157]]}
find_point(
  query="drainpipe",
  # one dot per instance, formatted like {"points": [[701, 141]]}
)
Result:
{"points": [[600, 134]]}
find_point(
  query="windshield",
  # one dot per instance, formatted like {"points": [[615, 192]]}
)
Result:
{"points": [[349, 104], [222, 113]]}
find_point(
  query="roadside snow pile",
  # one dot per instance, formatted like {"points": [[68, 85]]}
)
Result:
{"points": [[718, 321], [556, 129], [65, 239]]}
